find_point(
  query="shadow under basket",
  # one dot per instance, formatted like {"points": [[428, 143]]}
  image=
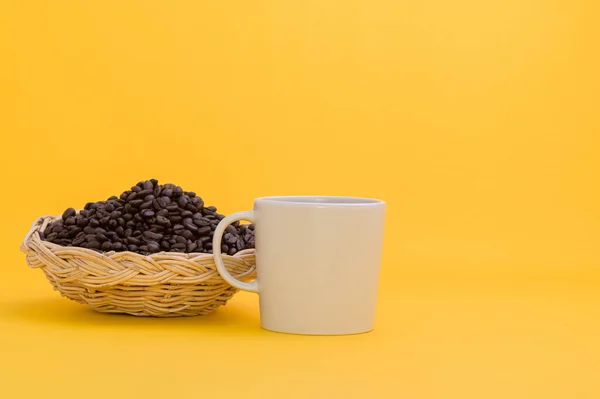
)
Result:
{"points": [[164, 284]]}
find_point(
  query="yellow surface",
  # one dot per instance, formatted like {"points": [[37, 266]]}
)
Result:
{"points": [[477, 121]]}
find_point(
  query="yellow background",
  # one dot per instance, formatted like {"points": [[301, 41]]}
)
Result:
{"points": [[477, 121]]}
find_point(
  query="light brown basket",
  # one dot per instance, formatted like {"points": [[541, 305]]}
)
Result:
{"points": [[164, 284]]}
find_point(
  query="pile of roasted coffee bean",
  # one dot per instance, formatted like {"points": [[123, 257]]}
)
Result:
{"points": [[147, 219]]}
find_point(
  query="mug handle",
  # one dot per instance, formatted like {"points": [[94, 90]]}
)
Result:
{"points": [[249, 216]]}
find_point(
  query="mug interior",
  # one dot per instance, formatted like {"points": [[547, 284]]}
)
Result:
{"points": [[321, 200]]}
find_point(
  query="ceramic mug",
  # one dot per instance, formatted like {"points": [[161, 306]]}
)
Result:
{"points": [[317, 262]]}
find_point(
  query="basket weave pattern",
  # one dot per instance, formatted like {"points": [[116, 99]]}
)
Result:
{"points": [[164, 284]]}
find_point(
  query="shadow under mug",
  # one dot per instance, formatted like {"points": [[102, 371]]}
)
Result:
{"points": [[318, 261]]}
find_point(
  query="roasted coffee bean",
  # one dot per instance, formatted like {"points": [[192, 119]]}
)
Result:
{"points": [[112, 224], [117, 246], [165, 246], [156, 205], [172, 207], [224, 248], [204, 230], [93, 245], [175, 219], [162, 220], [232, 251], [180, 239], [153, 236], [230, 238], [187, 234], [82, 222], [178, 227], [70, 212], [94, 223], [231, 230], [167, 192], [201, 222], [106, 246], [109, 208], [136, 203], [179, 246], [51, 237], [78, 241], [74, 231], [143, 248], [146, 205], [187, 214], [133, 248], [163, 212], [177, 191], [90, 237], [99, 230], [208, 246], [104, 220], [191, 247], [63, 234], [148, 213], [89, 230], [70, 221], [121, 222], [148, 185], [153, 247], [128, 232], [133, 240], [101, 237], [157, 191], [144, 193], [161, 202]]}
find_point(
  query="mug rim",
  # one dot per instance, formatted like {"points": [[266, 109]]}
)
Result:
{"points": [[320, 200]]}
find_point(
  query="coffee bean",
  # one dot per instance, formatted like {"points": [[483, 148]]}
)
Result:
{"points": [[165, 246], [136, 203], [232, 251], [51, 237], [230, 238], [187, 234], [133, 248], [133, 240], [172, 207], [106, 246], [117, 246], [78, 241], [146, 205], [204, 230], [93, 245], [74, 231], [179, 246], [153, 236], [201, 222], [191, 247], [70, 212], [89, 230], [101, 237], [153, 247], [231, 230], [162, 220], [121, 222], [109, 208], [144, 193], [175, 219], [143, 248], [82, 222], [148, 185], [178, 227], [167, 192], [178, 191], [148, 213], [104, 220], [224, 248], [112, 224]]}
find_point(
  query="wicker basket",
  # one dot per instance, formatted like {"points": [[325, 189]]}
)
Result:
{"points": [[164, 284]]}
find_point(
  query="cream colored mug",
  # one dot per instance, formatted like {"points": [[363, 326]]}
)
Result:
{"points": [[317, 262]]}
